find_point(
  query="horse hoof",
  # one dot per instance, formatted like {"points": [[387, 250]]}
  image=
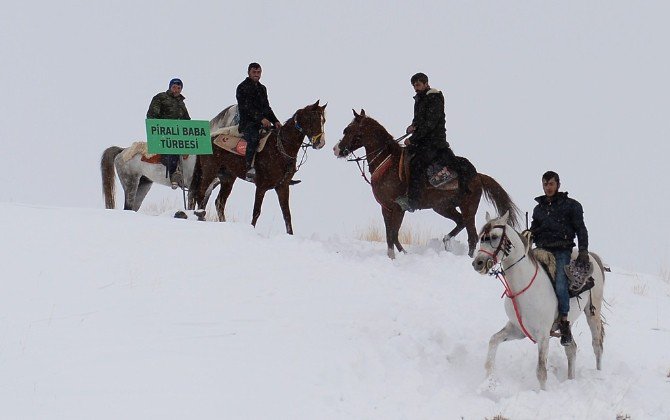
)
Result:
{"points": [[180, 215], [200, 214]]}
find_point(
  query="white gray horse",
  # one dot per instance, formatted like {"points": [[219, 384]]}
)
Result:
{"points": [[531, 304], [137, 175]]}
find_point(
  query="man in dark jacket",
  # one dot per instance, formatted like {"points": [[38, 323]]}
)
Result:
{"points": [[255, 113], [169, 105], [557, 219], [428, 143]]}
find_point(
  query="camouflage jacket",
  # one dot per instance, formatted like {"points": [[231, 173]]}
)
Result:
{"points": [[164, 106]]}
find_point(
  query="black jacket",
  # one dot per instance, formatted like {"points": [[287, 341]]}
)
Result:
{"points": [[253, 105], [165, 106], [556, 222], [429, 121]]}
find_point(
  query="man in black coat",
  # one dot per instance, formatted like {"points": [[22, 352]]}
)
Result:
{"points": [[255, 113], [557, 219], [428, 143], [169, 105]]}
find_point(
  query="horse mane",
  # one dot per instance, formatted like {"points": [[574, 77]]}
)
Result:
{"points": [[378, 130]]}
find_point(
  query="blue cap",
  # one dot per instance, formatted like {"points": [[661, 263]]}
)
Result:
{"points": [[175, 81]]}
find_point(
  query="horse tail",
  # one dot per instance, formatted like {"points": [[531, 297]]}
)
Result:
{"points": [[600, 263], [502, 202], [108, 172]]}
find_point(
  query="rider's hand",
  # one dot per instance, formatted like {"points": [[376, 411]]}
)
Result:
{"points": [[583, 257], [277, 125], [407, 142], [410, 129], [528, 234], [266, 123]]}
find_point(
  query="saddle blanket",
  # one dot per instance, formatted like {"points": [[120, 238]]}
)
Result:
{"points": [[439, 175], [140, 148], [230, 139]]}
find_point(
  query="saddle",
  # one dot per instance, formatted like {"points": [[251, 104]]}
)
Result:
{"points": [[579, 279], [440, 177], [230, 139]]}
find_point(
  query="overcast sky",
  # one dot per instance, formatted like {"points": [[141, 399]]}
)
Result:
{"points": [[577, 87]]}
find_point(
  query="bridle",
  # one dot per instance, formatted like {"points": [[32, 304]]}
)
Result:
{"points": [[362, 160], [304, 145], [495, 268], [312, 139]]}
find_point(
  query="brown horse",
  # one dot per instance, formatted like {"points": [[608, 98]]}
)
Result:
{"points": [[275, 164], [384, 153]]}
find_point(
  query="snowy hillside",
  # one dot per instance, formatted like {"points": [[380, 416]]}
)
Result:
{"points": [[117, 315]]}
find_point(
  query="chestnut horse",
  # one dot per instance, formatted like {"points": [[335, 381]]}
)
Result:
{"points": [[275, 164], [387, 185]]}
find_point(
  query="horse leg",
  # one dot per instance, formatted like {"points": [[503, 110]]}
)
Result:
{"points": [[392, 222], [508, 332], [597, 331], [469, 205], [130, 185], [542, 350], [225, 189], [453, 214], [283, 196], [571, 353], [258, 202], [142, 189]]}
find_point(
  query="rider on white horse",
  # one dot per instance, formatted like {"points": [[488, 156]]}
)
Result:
{"points": [[170, 105], [557, 219]]}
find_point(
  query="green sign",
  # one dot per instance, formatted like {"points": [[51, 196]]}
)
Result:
{"points": [[178, 137]]}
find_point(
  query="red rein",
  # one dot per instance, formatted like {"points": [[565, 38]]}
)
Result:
{"points": [[508, 292]]}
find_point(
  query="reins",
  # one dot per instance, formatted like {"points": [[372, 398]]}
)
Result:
{"points": [[498, 271], [304, 144], [376, 153]]}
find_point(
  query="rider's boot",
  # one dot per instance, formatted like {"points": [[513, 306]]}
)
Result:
{"points": [[566, 335]]}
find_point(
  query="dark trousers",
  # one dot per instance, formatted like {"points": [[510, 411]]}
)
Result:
{"points": [[171, 162], [252, 137], [420, 162]]}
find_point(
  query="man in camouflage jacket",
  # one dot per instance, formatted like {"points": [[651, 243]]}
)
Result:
{"points": [[169, 105]]}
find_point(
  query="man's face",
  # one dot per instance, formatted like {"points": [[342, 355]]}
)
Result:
{"points": [[420, 86], [175, 89], [550, 187], [255, 74]]}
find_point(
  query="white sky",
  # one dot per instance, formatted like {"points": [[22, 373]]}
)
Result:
{"points": [[577, 87]]}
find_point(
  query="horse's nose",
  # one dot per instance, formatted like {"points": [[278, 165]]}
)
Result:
{"points": [[478, 264]]}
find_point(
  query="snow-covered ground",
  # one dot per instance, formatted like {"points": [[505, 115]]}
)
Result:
{"points": [[117, 315]]}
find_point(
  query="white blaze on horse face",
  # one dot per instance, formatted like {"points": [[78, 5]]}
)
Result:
{"points": [[336, 149]]}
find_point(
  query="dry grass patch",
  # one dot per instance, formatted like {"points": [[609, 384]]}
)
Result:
{"points": [[408, 235]]}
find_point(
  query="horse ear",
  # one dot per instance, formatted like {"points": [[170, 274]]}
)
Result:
{"points": [[504, 217], [362, 112], [488, 217], [324, 107], [355, 114], [316, 103]]}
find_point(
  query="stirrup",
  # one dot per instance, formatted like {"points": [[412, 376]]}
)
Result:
{"points": [[403, 202], [250, 175]]}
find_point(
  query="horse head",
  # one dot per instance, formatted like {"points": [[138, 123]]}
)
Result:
{"points": [[353, 135], [310, 121], [498, 243]]}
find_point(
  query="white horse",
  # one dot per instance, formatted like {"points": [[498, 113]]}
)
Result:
{"points": [[531, 304], [137, 175]]}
